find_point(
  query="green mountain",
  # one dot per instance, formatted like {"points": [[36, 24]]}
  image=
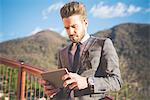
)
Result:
{"points": [[39, 49], [130, 40]]}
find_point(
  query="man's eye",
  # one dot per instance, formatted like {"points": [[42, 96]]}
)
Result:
{"points": [[74, 26], [66, 28]]}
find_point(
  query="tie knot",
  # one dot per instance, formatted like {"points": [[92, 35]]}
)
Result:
{"points": [[78, 47], [78, 44], [75, 46]]}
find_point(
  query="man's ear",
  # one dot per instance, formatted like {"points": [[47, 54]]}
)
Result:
{"points": [[86, 22]]}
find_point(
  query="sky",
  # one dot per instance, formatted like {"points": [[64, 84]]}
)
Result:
{"points": [[21, 18]]}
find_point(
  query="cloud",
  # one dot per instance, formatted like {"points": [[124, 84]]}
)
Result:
{"points": [[119, 10], [60, 31], [51, 8], [63, 33], [54, 29], [133, 9], [37, 29], [148, 10]]}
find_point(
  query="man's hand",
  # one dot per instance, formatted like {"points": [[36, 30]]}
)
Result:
{"points": [[49, 89], [74, 81]]}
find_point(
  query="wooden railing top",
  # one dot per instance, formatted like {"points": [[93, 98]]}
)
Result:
{"points": [[25, 67]]}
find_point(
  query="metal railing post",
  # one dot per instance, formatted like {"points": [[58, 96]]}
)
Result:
{"points": [[22, 69], [21, 83]]}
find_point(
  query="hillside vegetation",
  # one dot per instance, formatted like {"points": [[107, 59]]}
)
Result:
{"points": [[130, 40], [39, 50]]}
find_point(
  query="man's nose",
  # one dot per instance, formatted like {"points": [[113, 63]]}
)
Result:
{"points": [[71, 31]]}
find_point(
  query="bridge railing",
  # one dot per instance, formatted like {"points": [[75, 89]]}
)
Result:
{"points": [[19, 81]]}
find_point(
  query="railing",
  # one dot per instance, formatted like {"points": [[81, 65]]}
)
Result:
{"points": [[19, 81]]}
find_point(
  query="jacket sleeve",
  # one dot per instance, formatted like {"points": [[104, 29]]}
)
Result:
{"points": [[59, 63], [107, 76], [105, 72]]}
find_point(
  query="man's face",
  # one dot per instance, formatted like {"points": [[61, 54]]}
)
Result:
{"points": [[75, 27]]}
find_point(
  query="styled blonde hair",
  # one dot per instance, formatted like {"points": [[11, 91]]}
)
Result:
{"points": [[73, 8]]}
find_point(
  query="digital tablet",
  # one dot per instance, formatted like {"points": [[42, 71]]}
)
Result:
{"points": [[55, 77]]}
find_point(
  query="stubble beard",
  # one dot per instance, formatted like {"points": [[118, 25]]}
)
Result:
{"points": [[77, 38]]}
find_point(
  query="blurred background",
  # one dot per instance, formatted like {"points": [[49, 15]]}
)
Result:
{"points": [[32, 31]]}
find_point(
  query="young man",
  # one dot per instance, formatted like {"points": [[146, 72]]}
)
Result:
{"points": [[92, 62]]}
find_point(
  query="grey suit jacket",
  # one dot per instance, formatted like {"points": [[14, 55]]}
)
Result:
{"points": [[99, 60]]}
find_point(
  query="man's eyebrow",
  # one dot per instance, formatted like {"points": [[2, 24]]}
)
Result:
{"points": [[73, 25], [70, 26], [66, 27]]}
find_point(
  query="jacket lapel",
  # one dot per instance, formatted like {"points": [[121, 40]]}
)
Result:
{"points": [[67, 59], [89, 43]]}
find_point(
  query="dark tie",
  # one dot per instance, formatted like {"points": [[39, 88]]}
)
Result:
{"points": [[76, 58], [70, 93]]}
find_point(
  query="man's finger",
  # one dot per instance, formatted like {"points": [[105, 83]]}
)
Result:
{"points": [[49, 87], [51, 93], [73, 86], [68, 82], [44, 82], [65, 77]]}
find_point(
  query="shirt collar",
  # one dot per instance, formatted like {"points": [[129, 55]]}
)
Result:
{"points": [[85, 38]]}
